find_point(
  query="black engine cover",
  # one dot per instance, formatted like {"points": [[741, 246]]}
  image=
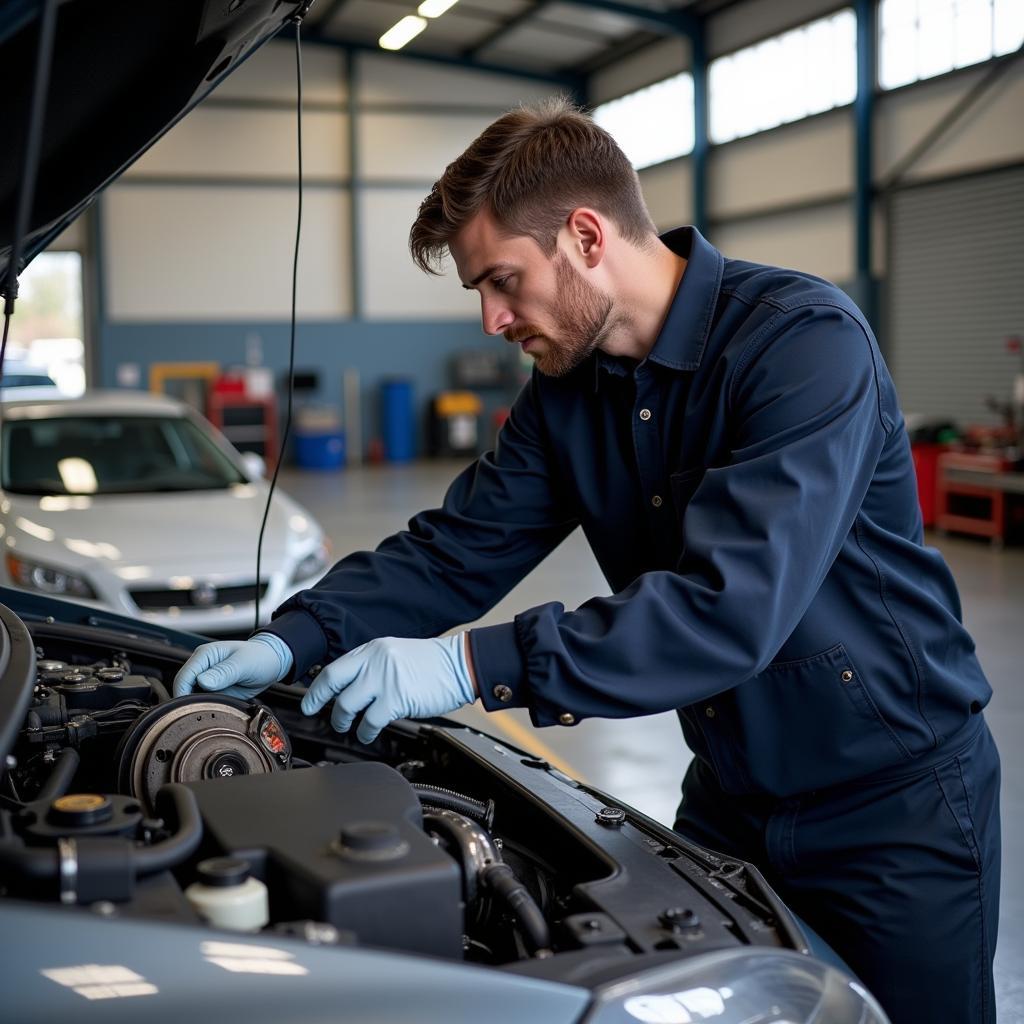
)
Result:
{"points": [[342, 844]]}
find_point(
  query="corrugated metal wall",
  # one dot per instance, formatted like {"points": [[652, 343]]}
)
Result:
{"points": [[956, 292]]}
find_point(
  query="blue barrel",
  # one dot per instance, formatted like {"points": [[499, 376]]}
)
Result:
{"points": [[398, 428], [320, 450]]}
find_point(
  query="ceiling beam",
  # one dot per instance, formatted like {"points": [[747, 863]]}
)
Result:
{"points": [[660, 22], [665, 23], [568, 81]]}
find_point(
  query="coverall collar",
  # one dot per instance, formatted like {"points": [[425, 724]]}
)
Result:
{"points": [[684, 334]]}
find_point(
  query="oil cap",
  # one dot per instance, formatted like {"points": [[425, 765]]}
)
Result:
{"points": [[370, 840], [611, 817], [80, 809], [222, 872]]}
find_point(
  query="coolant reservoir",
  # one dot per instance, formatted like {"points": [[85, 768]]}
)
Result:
{"points": [[227, 897]]}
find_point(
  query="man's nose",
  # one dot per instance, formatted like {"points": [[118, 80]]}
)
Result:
{"points": [[495, 316]]}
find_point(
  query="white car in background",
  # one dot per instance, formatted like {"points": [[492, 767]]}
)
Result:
{"points": [[132, 502]]}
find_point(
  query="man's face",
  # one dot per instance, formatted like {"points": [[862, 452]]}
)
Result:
{"points": [[543, 304]]}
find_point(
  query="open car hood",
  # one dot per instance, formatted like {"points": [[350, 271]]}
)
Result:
{"points": [[122, 73]]}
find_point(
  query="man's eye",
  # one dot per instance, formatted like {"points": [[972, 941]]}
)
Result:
{"points": [[501, 283]]}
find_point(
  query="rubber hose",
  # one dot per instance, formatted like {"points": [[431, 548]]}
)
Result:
{"points": [[150, 859], [501, 880], [162, 696], [478, 810], [33, 863], [476, 849], [59, 780], [39, 864]]}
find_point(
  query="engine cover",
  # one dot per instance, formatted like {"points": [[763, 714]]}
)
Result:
{"points": [[342, 844]]}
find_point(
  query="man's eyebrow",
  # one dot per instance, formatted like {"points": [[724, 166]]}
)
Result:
{"points": [[486, 273]]}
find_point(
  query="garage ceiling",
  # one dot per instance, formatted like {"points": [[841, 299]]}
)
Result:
{"points": [[546, 37]]}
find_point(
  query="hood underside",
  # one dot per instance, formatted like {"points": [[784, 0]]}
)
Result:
{"points": [[121, 74]]}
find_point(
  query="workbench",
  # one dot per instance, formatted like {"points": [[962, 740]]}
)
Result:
{"points": [[991, 481]]}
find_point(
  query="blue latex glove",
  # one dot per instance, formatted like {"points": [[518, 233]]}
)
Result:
{"points": [[235, 668], [393, 678]]}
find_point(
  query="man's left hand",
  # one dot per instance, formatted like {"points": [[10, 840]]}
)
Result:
{"points": [[393, 678]]}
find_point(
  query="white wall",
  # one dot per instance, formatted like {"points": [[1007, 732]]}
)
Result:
{"points": [[394, 287], [385, 79], [218, 193], [804, 161], [989, 134], [184, 253], [668, 192], [819, 241], [652, 64]]}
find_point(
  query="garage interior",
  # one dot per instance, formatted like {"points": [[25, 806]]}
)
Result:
{"points": [[903, 183]]}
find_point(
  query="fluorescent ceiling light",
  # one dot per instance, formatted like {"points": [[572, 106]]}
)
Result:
{"points": [[435, 8], [398, 35]]}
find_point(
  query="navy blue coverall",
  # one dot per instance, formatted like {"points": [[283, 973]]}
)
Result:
{"points": [[749, 494]]}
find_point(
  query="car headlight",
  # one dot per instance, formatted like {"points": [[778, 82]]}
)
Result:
{"points": [[769, 986], [312, 565], [33, 576]]}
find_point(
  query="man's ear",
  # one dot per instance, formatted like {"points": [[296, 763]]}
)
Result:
{"points": [[588, 234]]}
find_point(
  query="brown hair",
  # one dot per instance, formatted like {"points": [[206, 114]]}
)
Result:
{"points": [[532, 167]]}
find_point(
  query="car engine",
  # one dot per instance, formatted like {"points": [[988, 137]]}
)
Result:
{"points": [[437, 839]]}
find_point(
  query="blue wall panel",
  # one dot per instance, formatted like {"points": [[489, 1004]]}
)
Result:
{"points": [[377, 350]]}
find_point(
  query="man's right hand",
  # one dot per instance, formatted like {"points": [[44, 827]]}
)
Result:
{"points": [[235, 668]]}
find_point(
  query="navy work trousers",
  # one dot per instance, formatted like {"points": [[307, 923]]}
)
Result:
{"points": [[900, 875]]}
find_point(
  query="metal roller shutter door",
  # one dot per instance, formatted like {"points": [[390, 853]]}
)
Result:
{"points": [[956, 292]]}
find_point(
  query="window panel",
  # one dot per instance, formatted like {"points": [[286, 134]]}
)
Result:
{"points": [[897, 14], [653, 124], [935, 38], [897, 58], [844, 58], [923, 38], [972, 26], [784, 78], [1007, 26]]}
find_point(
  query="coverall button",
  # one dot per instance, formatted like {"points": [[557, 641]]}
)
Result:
{"points": [[656, 501], [645, 414], [710, 712], [847, 675], [502, 693], [567, 719]]}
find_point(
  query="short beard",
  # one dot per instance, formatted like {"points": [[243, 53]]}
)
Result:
{"points": [[581, 320]]}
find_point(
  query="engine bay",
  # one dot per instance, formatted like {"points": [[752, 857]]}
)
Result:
{"points": [[437, 839]]}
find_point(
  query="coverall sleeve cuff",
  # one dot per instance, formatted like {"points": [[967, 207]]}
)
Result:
{"points": [[500, 667], [305, 639]]}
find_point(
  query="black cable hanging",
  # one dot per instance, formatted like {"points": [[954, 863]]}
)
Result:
{"points": [[291, 345]]}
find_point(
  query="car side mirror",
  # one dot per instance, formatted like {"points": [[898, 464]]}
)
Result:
{"points": [[253, 466]]}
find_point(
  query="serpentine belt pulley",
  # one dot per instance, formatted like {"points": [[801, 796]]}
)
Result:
{"points": [[199, 737]]}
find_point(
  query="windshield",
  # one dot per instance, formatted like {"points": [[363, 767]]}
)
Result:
{"points": [[27, 380], [112, 455]]}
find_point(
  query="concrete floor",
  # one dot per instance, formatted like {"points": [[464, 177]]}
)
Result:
{"points": [[642, 761]]}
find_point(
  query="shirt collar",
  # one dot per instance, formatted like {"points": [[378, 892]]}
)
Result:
{"points": [[684, 334]]}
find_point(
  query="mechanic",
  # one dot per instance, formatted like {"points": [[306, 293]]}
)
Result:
{"points": [[729, 439]]}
